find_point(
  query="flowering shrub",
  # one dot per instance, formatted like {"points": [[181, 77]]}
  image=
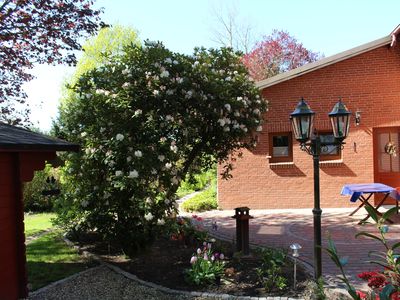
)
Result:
{"points": [[207, 266], [144, 119], [188, 231], [385, 284]]}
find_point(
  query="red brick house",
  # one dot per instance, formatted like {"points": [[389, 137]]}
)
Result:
{"points": [[277, 174]]}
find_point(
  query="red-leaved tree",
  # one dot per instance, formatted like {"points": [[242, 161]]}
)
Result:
{"points": [[37, 31], [277, 53]]}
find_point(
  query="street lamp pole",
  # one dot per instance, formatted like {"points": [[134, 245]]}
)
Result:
{"points": [[317, 212], [302, 120]]}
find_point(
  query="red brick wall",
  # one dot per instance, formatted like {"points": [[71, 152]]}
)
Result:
{"points": [[369, 82]]}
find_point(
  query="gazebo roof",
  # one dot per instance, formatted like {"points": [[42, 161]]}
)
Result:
{"points": [[14, 138]]}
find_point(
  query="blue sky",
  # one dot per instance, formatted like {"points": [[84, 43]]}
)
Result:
{"points": [[326, 26]]}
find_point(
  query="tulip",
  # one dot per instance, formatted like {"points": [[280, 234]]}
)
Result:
{"points": [[193, 260]]}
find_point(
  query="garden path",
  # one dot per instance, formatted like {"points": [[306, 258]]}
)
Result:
{"points": [[281, 228]]}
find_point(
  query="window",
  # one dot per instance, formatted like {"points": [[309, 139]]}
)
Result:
{"points": [[280, 147], [329, 152]]}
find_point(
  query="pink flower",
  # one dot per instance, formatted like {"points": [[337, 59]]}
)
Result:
{"points": [[198, 250], [221, 256], [193, 259], [205, 256]]}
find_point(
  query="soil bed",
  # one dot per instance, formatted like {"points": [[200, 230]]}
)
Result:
{"points": [[165, 262]]}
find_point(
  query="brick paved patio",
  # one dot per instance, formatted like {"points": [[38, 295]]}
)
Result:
{"points": [[278, 228]]}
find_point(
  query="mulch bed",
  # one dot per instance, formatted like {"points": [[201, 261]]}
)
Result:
{"points": [[165, 262]]}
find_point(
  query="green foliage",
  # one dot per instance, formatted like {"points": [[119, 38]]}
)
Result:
{"points": [[270, 272], [33, 198], [196, 182], [387, 259], [38, 223], [207, 266], [205, 200], [49, 259], [144, 120]]}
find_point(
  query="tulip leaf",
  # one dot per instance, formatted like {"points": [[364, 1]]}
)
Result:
{"points": [[396, 245], [390, 212], [386, 291], [370, 235], [371, 211]]}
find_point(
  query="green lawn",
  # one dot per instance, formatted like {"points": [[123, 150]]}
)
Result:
{"points": [[37, 223], [50, 259]]}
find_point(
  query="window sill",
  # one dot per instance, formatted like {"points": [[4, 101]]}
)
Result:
{"points": [[282, 165], [331, 163]]}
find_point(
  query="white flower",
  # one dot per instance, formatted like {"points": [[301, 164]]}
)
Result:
{"points": [[148, 216], [239, 98], [169, 92], [175, 180], [83, 134], [129, 158], [111, 163], [259, 128], [236, 126], [106, 93], [138, 153], [138, 112], [118, 173], [133, 174], [156, 92], [221, 122], [99, 91], [228, 78], [228, 107], [88, 95], [164, 74], [102, 129], [160, 222], [226, 129], [169, 118], [126, 85], [161, 158], [84, 203], [256, 111], [124, 72], [175, 62], [153, 171], [236, 113], [163, 139], [168, 165], [174, 148], [119, 137], [196, 63], [168, 60], [179, 80]]}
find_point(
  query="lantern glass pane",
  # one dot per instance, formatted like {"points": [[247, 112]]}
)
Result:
{"points": [[340, 126]]}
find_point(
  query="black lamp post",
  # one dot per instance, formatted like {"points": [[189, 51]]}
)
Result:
{"points": [[302, 122]]}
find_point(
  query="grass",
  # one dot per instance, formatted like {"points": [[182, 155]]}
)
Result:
{"points": [[203, 201], [37, 223], [49, 259], [201, 181]]}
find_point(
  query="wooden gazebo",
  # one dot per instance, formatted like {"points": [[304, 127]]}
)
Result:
{"points": [[22, 152]]}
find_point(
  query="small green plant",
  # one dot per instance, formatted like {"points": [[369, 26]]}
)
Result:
{"points": [[270, 271], [206, 200], [207, 266], [385, 284]]}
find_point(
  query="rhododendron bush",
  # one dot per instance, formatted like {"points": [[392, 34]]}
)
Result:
{"points": [[144, 120]]}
